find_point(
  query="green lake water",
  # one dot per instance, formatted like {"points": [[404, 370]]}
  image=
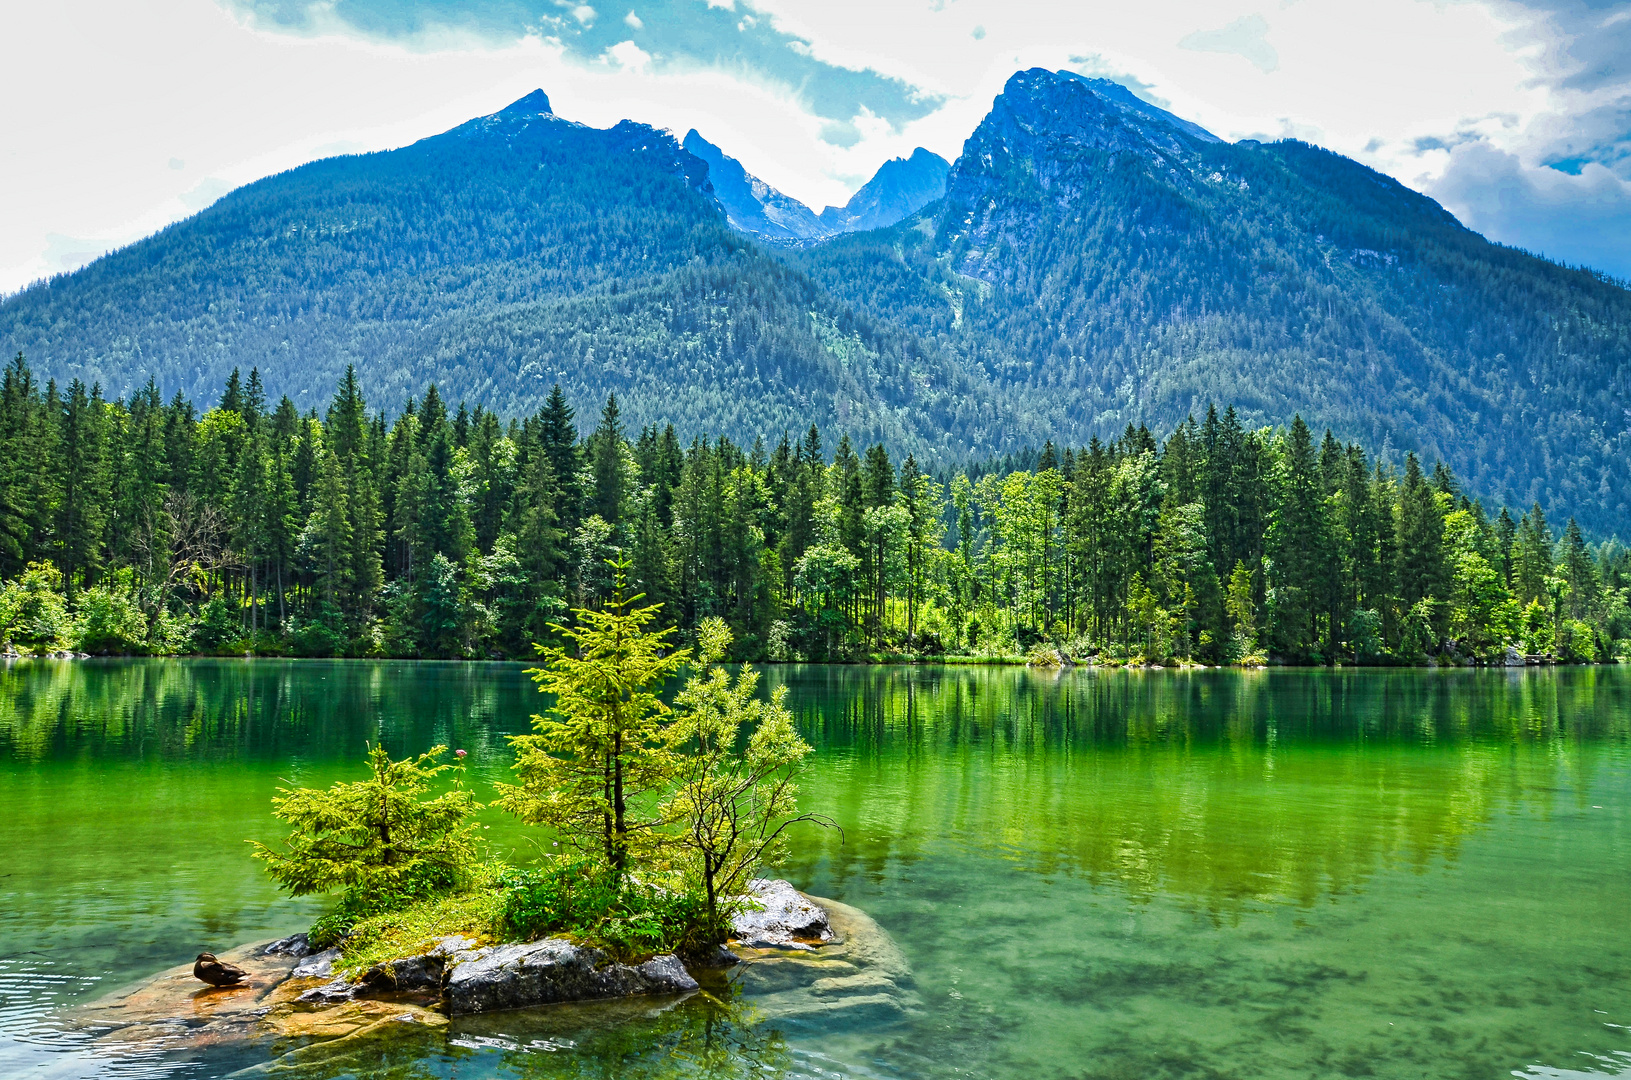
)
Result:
{"points": [[1100, 874]]}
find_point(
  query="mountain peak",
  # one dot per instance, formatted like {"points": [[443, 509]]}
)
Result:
{"points": [[1046, 129], [900, 188], [534, 104], [1062, 107], [1128, 101], [751, 205]]}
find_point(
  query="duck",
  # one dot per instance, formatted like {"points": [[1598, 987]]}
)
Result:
{"points": [[216, 972]]}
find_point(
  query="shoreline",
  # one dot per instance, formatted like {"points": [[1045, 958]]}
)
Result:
{"points": [[878, 660]]}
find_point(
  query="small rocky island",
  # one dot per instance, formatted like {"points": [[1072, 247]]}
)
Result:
{"points": [[658, 894], [795, 957]]}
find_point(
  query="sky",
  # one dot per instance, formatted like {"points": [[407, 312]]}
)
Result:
{"points": [[121, 117]]}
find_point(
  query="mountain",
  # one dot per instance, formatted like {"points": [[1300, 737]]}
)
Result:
{"points": [[513, 252], [1094, 262], [901, 187], [751, 205], [1103, 262]]}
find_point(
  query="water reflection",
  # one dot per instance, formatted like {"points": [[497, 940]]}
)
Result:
{"points": [[1230, 788], [200, 711], [705, 1035], [1102, 873]]}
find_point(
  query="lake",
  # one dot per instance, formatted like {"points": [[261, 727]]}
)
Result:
{"points": [[1107, 874]]}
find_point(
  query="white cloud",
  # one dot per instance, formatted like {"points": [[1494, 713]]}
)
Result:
{"points": [[633, 21], [1247, 36], [1582, 219], [628, 55], [205, 192]]}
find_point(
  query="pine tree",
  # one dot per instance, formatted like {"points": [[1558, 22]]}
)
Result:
{"points": [[1422, 573], [1579, 574], [607, 465], [559, 440], [590, 766], [1532, 558], [82, 479], [380, 840], [1299, 543], [326, 541]]}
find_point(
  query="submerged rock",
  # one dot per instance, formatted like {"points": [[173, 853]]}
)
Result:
{"points": [[859, 975], [330, 993], [784, 918], [173, 1009], [552, 970], [816, 962]]}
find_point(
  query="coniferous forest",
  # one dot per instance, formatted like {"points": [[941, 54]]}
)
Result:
{"points": [[149, 526]]}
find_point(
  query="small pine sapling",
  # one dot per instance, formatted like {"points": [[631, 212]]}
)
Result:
{"points": [[377, 839]]}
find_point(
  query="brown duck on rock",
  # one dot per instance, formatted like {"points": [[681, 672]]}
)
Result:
{"points": [[216, 972]]}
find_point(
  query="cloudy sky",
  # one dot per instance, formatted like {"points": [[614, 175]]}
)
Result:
{"points": [[123, 116]]}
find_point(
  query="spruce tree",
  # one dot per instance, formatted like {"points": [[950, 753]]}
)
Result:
{"points": [[1422, 572], [1532, 558], [1299, 544], [607, 466], [593, 764]]}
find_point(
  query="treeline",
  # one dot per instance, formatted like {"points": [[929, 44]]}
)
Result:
{"points": [[144, 526]]}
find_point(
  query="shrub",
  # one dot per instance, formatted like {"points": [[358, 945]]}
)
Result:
{"points": [[1576, 643], [322, 636], [218, 626], [1043, 656], [377, 839], [33, 613], [412, 929], [109, 620], [581, 898]]}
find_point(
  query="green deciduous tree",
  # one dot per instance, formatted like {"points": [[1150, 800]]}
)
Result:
{"points": [[734, 798]]}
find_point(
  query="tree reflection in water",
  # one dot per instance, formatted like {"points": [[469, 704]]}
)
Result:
{"points": [[717, 1036]]}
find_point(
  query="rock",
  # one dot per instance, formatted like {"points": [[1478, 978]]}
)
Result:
{"points": [[785, 919], [296, 945], [721, 956], [540, 972], [172, 1010], [330, 993], [859, 977], [416, 973], [316, 965], [290, 1021], [1513, 658]]}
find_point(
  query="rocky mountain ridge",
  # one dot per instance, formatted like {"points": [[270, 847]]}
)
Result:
{"points": [[901, 187], [1094, 262]]}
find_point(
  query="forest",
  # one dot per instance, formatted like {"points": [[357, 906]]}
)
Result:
{"points": [[145, 526], [1102, 268]]}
